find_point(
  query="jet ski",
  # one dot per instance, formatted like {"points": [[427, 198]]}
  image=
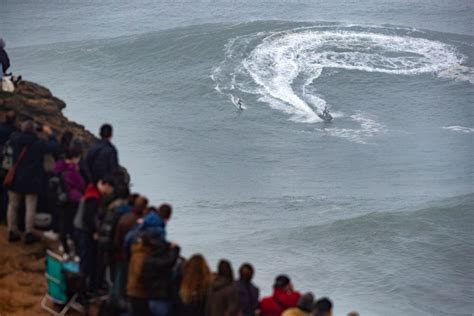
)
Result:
{"points": [[325, 115]]}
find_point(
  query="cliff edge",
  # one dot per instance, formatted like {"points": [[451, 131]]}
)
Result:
{"points": [[35, 101]]}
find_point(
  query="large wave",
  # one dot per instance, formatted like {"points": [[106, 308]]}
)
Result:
{"points": [[280, 67]]}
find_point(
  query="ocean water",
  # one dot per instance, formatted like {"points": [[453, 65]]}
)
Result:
{"points": [[374, 209]]}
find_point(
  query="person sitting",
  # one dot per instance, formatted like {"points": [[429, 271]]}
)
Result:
{"points": [[28, 153], [247, 292], [283, 297], [303, 308], [222, 299], [322, 307], [194, 287], [102, 157]]}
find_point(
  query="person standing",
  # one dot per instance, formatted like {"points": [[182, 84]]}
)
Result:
{"points": [[247, 292], [102, 157], [7, 128], [222, 298], [194, 287], [28, 153], [284, 297], [4, 60], [75, 185], [322, 307], [303, 308], [85, 229]]}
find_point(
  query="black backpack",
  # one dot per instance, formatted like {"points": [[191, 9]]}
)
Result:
{"points": [[57, 189]]}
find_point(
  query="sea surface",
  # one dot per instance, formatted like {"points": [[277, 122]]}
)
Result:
{"points": [[374, 209]]}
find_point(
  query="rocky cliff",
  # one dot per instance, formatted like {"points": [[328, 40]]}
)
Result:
{"points": [[37, 102]]}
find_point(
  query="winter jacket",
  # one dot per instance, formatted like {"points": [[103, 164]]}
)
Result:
{"points": [[295, 311], [4, 60], [135, 284], [88, 210], [74, 183], [157, 270], [6, 130], [222, 298], [152, 225], [124, 225], [30, 175], [101, 160], [279, 302], [248, 297]]}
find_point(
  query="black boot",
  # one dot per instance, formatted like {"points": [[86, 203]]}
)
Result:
{"points": [[12, 236]]}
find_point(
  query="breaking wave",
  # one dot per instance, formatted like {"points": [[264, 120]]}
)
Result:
{"points": [[280, 67]]}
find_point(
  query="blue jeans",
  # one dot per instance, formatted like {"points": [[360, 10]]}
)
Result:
{"points": [[160, 307]]}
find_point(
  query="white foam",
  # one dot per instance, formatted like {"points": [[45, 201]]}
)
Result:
{"points": [[459, 129], [282, 68], [368, 129]]}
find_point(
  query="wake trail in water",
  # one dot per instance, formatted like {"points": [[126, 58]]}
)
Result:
{"points": [[281, 68]]}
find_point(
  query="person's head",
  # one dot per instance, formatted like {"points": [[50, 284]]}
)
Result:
{"points": [[224, 269], [246, 272], [132, 197], [282, 282], [106, 131], [106, 186], [66, 139], [165, 211], [305, 303], [322, 307], [140, 205], [74, 152], [353, 313], [196, 279], [2, 43], [28, 126]]}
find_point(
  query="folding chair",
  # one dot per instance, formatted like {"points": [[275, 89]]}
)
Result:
{"points": [[61, 290]]}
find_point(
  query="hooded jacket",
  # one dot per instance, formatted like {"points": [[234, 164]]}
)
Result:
{"points": [[74, 183], [152, 225], [158, 270], [88, 210], [280, 301], [30, 175], [222, 298]]}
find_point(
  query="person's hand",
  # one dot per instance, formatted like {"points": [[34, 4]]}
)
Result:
{"points": [[96, 236], [47, 130], [290, 287]]}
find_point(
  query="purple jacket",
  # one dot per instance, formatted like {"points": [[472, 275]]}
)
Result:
{"points": [[73, 181]]}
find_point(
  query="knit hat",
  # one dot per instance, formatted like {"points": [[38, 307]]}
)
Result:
{"points": [[305, 303]]}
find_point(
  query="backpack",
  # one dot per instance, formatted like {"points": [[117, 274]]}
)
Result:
{"points": [[57, 188], [106, 231], [7, 155]]}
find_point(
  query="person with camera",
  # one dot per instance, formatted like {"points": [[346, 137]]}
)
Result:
{"points": [[26, 176]]}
